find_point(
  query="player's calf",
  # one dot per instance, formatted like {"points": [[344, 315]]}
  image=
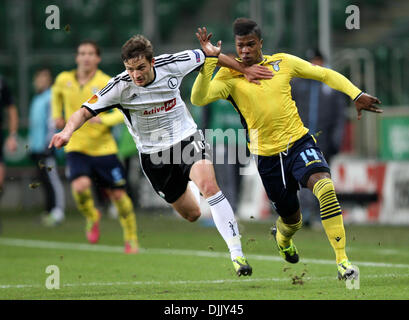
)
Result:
{"points": [[187, 206]]}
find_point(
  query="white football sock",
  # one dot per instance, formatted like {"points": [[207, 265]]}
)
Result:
{"points": [[226, 223]]}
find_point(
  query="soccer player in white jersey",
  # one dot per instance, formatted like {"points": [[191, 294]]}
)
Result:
{"points": [[172, 150]]}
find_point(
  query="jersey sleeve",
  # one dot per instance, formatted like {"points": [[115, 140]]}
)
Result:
{"points": [[304, 69], [205, 90], [182, 63], [107, 98]]}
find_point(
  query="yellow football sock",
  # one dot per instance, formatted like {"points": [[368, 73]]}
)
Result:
{"points": [[286, 231], [331, 216], [127, 217], [85, 204]]}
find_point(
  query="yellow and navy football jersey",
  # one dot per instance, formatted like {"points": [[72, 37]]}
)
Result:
{"points": [[94, 139], [267, 110]]}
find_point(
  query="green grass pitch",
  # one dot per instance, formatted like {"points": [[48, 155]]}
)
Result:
{"points": [[189, 261]]}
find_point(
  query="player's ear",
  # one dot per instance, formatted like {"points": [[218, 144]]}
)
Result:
{"points": [[152, 62], [261, 43]]}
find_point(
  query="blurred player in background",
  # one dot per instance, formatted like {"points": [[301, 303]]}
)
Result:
{"points": [[287, 154], [126, 152], [41, 129], [6, 101], [91, 153], [172, 150], [323, 111]]}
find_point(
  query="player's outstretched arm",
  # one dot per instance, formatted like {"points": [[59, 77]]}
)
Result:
{"points": [[252, 73], [208, 48], [303, 69], [367, 102], [75, 122]]}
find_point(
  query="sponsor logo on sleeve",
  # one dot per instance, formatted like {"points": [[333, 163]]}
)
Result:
{"points": [[197, 56], [93, 99]]}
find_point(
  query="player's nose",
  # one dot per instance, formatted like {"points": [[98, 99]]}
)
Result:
{"points": [[134, 74]]}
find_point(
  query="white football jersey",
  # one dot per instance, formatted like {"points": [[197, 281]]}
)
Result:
{"points": [[155, 114]]}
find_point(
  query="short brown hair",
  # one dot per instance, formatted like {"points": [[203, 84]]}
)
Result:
{"points": [[92, 43], [137, 46]]}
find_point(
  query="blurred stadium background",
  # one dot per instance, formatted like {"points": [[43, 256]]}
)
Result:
{"points": [[371, 173]]}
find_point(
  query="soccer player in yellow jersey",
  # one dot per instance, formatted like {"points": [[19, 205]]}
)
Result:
{"points": [[286, 154], [91, 153]]}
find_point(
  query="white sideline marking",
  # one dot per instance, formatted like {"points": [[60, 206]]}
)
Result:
{"points": [[198, 253], [387, 252], [184, 282]]}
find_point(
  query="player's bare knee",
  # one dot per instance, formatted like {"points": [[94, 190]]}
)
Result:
{"points": [[314, 178], [81, 184], [209, 188], [191, 214], [116, 194], [194, 215]]}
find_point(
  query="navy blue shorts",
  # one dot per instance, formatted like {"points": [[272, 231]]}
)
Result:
{"points": [[303, 159], [106, 171]]}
